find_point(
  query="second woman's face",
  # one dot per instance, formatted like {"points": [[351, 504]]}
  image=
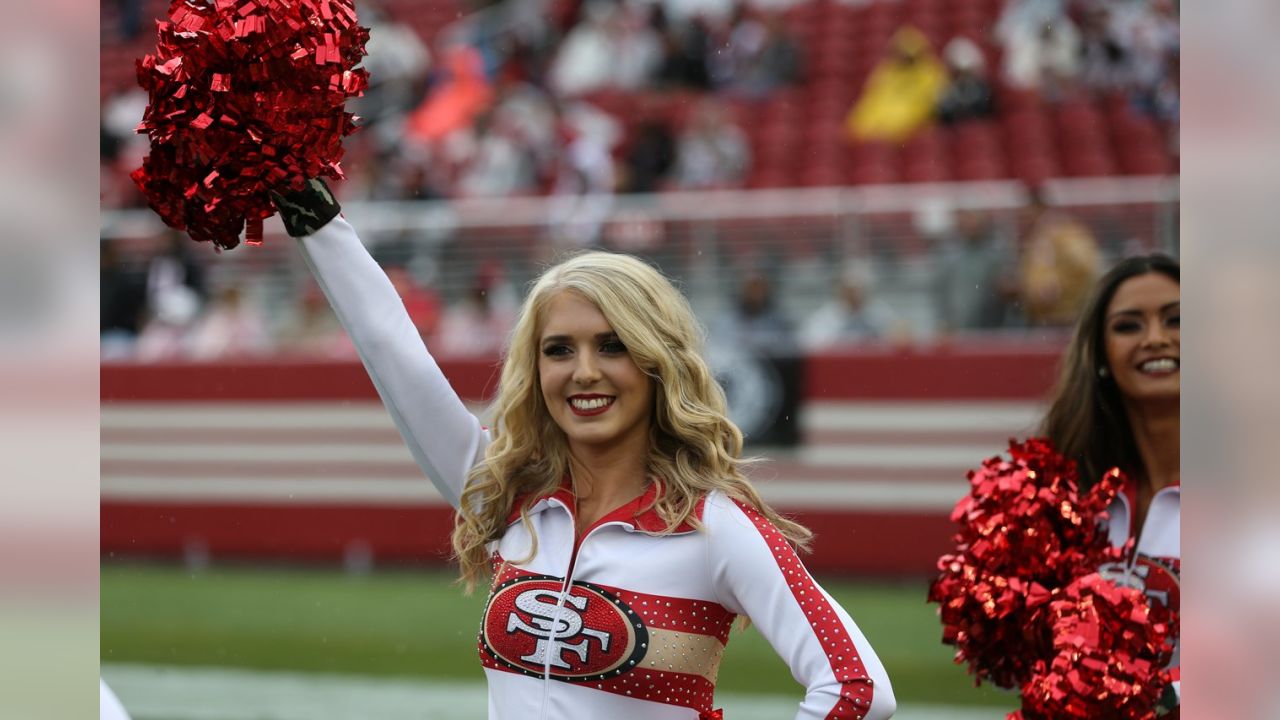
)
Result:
{"points": [[593, 389], [1141, 330]]}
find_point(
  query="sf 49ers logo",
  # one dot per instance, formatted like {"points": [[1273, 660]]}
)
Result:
{"points": [[590, 634], [1157, 578]]}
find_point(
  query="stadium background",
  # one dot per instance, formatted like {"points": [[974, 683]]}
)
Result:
{"points": [[259, 514]]}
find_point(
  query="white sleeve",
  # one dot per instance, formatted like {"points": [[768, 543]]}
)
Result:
{"points": [[109, 707], [757, 574], [445, 439]]}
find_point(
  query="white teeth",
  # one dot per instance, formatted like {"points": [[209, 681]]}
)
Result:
{"points": [[591, 404], [1161, 365]]}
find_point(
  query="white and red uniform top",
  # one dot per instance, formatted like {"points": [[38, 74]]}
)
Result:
{"points": [[621, 622], [1155, 565]]}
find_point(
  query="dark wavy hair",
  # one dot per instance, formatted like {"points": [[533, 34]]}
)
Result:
{"points": [[1086, 419]]}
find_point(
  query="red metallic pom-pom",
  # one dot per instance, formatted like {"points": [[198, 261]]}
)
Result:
{"points": [[246, 96], [1026, 530], [1110, 647]]}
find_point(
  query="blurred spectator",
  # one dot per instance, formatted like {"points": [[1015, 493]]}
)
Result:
{"points": [[230, 327], [585, 177], [123, 292], [415, 176], [976, 275], [121, 148], [755, 356], [755, 322], [1106, 54], [685, 52], [1128, 46], [397, 61], [613, 47], [639, 47], [584, 60], [968, 92], [1041, 46], [761, 56], [1154, 39], [502, 163], [1163, 102], [712, 152], [1059, 263], [314, 331], [650, 157], [712, 12], [901, 92], [174, 271], [514, 148], [478, 324], [854, 314], [121, 113], [457, 96], [165, 335], [129, 16]]}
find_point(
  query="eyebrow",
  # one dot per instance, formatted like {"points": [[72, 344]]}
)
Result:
{"points": [[567, 338], [1134, 311]]}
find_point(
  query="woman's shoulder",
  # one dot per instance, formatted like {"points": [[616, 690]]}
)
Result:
{"points": [[719, 508]]}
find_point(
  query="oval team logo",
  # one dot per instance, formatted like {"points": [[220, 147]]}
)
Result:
{"points": [[1157, 578], [596, 635]]}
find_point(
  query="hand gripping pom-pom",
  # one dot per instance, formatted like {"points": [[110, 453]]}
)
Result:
{"points": [[245, 97]]}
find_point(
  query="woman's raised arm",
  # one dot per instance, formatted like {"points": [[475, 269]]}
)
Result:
{"points": [[445, 439]]}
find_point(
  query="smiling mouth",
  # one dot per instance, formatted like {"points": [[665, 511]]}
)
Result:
{"points": [[1159, 366], [590, 405]]}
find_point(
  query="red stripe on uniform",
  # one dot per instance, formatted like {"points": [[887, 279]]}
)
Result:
{"points": [[682, 614], [846, 664]]}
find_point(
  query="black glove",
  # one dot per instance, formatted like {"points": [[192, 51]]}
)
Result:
{"points": [[307, 210]]}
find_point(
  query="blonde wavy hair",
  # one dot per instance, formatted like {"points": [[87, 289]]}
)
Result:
{"points": [[693, 446]]}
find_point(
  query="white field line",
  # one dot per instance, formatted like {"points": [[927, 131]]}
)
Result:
{"points": [[182, 693], [998, 417], [267, 452], [268, 415], [943, 457], [397, 481], [853, 455], [1011, 417], [862, 495]]}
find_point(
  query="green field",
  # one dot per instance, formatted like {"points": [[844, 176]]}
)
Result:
{"points": [[417, 623]]}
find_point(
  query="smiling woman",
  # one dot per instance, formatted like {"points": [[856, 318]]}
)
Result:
{"points": [[607, 505], [1117, 404]]}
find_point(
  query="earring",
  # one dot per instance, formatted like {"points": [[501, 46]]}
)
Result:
{"points": [[1103, 372]]}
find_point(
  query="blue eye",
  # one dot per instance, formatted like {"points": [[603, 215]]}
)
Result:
{"points": [[613, 347]]}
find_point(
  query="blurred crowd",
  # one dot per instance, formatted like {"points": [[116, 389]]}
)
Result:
{"points": [[1031, 271], [506, 101], [500, 105], [510, 101], [1060, 50]]}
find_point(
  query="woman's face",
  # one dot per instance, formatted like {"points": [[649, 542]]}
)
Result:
{"points": [[593, 389], [1140, 332]]}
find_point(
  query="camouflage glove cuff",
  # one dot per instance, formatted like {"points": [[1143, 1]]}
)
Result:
{"points": [[307, 210], [1168, 702]]}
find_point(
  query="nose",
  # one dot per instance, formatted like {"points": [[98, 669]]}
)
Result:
{"points": [[1157, 336], [586, 371]]}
